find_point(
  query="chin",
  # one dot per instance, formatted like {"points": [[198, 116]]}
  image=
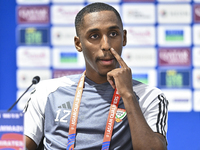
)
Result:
{"points": [[104, 72]]}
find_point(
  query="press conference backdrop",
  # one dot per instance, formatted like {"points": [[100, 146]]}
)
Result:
{"points": [[163, 50]]}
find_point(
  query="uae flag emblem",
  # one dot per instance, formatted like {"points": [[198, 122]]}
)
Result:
{"points": [[121, 113]]}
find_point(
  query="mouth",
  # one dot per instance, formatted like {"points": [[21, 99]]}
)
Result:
{"points": [[106, 61]]}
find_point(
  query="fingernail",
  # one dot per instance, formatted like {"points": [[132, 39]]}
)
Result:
{"points": [[112, 49]]}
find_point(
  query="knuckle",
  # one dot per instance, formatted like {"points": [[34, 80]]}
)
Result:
{"points": [[118, 74], [129, 69], [126, 69]]}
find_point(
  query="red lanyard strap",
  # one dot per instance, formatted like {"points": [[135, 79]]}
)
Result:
{"points": [[75, 111], [110, 121]]}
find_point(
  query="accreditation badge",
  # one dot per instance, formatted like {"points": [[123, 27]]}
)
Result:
{"points": [[121, 113]]}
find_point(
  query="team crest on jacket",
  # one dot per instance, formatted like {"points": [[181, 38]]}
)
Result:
{"points": [[121, 113]]}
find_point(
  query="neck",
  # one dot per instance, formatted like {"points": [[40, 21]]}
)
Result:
{"points": [[97, 78]]}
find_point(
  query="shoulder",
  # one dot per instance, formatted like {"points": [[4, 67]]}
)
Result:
{"points": [[50, 85], [42, 90], [148, 95], [144, 89]]}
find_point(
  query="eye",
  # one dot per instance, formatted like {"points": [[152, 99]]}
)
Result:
{"points": [[113, 34], [94, 36]]}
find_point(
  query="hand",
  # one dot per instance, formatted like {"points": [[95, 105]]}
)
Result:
{"points": [[121, 78]]}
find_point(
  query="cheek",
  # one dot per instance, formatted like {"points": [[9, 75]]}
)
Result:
{"points": [[89, 51], [89, 56]]}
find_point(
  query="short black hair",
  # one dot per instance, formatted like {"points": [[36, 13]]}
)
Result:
{"points": [[94, 7]]}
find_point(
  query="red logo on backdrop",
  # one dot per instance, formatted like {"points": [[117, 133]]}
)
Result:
{"points": [[174, 57], [12, 141], [138, 0], [196, 13], [33, 14]]}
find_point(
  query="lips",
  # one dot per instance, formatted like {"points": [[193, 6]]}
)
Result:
{"points": [[106, 61]]}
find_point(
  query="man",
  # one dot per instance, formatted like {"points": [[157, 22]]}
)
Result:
{"points": [[141, 120]]}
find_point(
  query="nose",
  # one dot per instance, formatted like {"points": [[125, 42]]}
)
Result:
{"points": [[105, 43]]}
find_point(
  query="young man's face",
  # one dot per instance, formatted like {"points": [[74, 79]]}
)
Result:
{"points": [[100, 32]]}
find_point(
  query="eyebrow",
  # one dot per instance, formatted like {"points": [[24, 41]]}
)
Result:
{"points": [[97, 29], [114, 27]]}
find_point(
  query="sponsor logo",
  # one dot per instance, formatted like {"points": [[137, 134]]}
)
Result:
{"points": [[62, 36], [12, 141], [174, 57], [61, 73], [11, 115], [196, 78], [180, 13], [179, 100], [196, 13], [33, 36], [174, 35], [33, 14], [33, 1], [196, 56], [174, 79], [67, 57], [11, 130], [66, 105], [120, 115], [25, 76], [140, 57], [63, 14], [33, 57], [141, 36], [135, 13]]}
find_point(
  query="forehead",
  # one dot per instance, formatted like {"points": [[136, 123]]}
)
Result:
{"points": [[100, 19]]}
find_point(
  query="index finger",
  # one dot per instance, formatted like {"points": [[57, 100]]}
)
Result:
{"points": [[119, 58]]}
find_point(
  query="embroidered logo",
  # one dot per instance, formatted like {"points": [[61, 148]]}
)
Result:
{"points": [[121, 113]]}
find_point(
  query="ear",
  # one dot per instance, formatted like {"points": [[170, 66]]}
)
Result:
{"points": [[77, 43], [124, 37]]}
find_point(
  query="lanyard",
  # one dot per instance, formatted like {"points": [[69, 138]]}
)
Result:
{"points": [[75, 111], [110, 120]]}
